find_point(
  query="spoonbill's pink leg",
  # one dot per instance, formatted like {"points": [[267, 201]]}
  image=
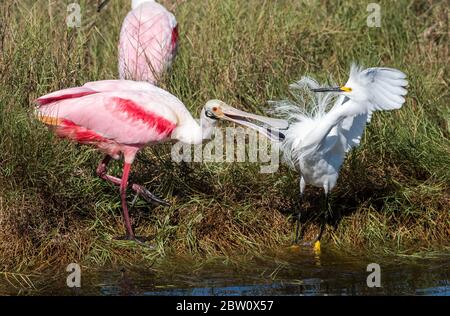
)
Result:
{"points": [[146, 194], [126, 216], [123, 196], [102, 171]]}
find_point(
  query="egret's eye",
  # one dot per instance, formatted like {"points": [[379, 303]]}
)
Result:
{"points": [[214, 109]]}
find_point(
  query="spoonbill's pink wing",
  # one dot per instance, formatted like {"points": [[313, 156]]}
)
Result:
{"points": [[120, 85], [102, 86], [69, 93], [159, 96], [124, 117], [95, 87], [148, 42]]}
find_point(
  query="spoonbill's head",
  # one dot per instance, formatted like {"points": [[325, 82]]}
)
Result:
{"points": [[379, 85], [215, 110]]}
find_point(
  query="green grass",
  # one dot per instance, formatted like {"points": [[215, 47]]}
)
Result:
{"points": [[393, 193]]}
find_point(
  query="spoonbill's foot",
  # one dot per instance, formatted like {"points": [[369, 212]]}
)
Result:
{"points": [[140, 240], [149, 196], [140, 190]]}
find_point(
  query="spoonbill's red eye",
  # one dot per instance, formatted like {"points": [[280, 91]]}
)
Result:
{"points": [[214, 109]]}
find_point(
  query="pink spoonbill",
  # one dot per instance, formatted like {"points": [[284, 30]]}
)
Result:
{"points": [[120, 117], [148, 41]]}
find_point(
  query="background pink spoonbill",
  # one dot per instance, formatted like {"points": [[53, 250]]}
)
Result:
{"points": [[148, 41], [120, 117]]}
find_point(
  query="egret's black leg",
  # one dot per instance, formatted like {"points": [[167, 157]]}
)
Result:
{"points": [[324, 214], [299, 227]]}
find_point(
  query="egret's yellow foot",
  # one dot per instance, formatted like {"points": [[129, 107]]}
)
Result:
{"points": [[317, 247]]}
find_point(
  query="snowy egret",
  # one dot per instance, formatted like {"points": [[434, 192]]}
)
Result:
{"points": [[317, 140], [121, 117]]}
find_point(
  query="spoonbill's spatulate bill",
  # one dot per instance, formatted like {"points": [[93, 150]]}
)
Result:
{"points": [[120, 117], [317, 141], [148, 41]]}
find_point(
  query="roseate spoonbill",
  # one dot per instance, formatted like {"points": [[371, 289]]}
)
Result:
{"points": [[317, 141], [148, 41], [121, 117]]}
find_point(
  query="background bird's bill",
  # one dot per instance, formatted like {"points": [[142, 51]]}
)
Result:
{"points": [[270, 126]]}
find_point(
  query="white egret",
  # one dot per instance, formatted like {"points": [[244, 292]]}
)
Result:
{"points": [[317, 141]]}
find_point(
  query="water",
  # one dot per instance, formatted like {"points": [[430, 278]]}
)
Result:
{"points": [[303, 273]]}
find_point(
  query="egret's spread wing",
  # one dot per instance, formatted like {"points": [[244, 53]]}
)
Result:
{"points": [[352, 129], [378, 89]]}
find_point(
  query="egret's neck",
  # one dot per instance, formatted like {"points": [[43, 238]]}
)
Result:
{"points": [[136, 3]]}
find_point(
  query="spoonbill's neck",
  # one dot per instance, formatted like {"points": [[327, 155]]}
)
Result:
{"points": [[206, 128], [136, 3], [194, 132]]}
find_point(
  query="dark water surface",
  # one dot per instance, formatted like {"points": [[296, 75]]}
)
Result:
{"points": [[303, 273]]}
